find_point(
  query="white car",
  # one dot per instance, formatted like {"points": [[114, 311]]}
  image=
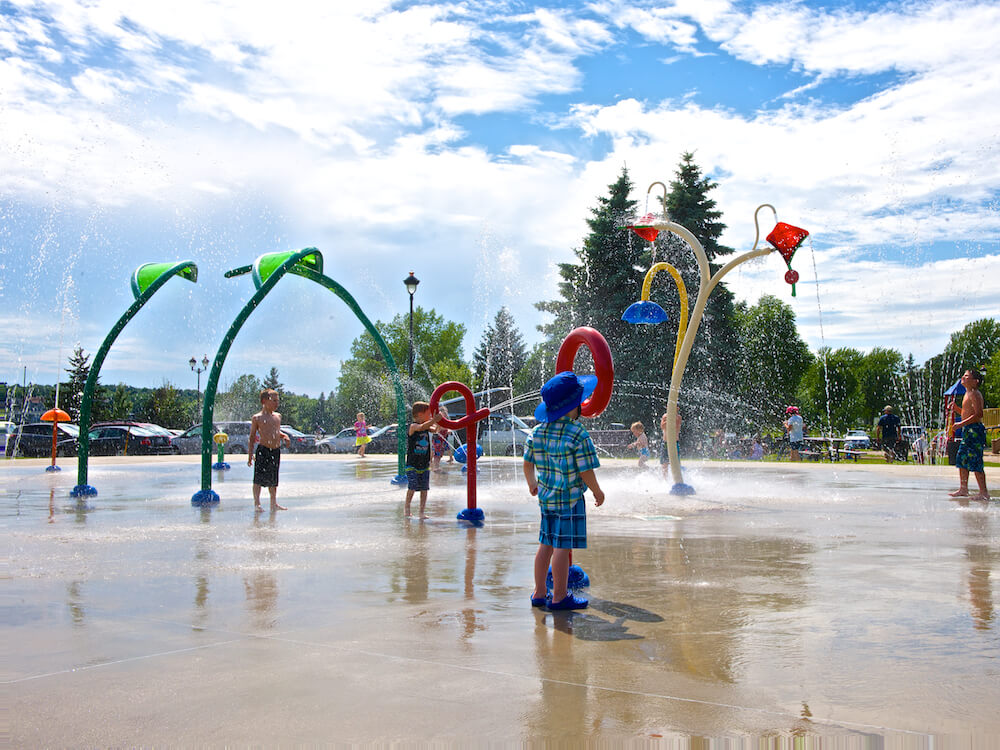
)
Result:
{"points": [[857, 440]]}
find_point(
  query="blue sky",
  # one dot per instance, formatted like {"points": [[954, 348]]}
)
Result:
{"points": [[467, 142]]}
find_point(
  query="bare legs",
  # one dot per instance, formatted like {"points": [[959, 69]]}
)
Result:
{"points": [[963, 488], [559, 559], [423, 503], [273, 491]]}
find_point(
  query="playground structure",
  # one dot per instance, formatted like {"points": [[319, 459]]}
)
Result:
{"points": [[784, 237], [146, 281], [266, 272]]}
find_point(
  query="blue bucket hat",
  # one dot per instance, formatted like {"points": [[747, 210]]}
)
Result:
{"points": [[562, 394]]}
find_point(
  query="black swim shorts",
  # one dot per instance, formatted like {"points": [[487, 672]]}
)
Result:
{"points": [[265, 466]]}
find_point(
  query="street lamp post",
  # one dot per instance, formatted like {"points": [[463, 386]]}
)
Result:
{"points": [[199, 370], [410, 282]]}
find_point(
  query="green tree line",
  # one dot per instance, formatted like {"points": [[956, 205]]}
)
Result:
{"points": [[748, 364]]}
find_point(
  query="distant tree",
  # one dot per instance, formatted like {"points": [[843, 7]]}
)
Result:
{"points": [[271, 381], [689, 205], [165, 407], [120, 404], [500, 355], [538, 367], [240, 401], [830, 393], [365, 384], [771, 362], [973, 346], [71, 394], [879, 379], [991, 385]]}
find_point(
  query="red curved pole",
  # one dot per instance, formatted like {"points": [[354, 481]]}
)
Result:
{"points": [[604, 366], [470, 421]]}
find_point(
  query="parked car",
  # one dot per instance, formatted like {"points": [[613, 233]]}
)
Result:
{"points": [[342, 442], [503, 434], [239, 435], [5, 428], [857, 440], [189, 441], [300, 441], [127, 440], [911, 432], [36, 439], [383, 440], [148, 426]]}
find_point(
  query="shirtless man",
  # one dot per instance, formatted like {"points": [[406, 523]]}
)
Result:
{"points": [[265, 432], [970, 452]]}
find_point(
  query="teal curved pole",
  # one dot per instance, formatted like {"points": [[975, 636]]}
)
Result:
{"points": [[390, 362], [267, 271], [146, 281]]}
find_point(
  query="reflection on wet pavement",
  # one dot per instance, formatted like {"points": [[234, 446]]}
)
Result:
{"points": [[777, 602]]}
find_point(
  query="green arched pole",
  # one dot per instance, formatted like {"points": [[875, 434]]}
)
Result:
{"points": [[267, 270], [146, 281]]}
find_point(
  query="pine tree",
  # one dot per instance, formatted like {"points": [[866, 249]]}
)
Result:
{"points": [[72, 392], [596, 291], [501, 354], [271, 381]]}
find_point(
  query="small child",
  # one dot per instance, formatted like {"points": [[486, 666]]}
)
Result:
{"points": [[418, 455], [970, 452], [439, 443], [664, 450], [265, 431], [361, 437], [641, 443], [565, 458]]}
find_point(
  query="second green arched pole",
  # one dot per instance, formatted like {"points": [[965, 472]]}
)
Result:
{"points": [[267, 270]]}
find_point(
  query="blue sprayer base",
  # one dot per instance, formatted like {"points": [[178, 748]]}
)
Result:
{"points": [[471, 514], [398, 480], [221, 466], [53, 467], [205, 497], [83, 490], [577, 579], [682, 489]]}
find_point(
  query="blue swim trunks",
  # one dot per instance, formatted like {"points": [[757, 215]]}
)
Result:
{"points": [[565, 529], [418, 480], [970, 452]]}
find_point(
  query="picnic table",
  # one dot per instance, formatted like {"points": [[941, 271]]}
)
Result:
{"points": [[832, 448]]}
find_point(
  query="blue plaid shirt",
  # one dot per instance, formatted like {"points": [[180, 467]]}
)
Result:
{"points": [[560, 451]]}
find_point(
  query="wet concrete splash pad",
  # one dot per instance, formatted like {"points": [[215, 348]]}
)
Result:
{"points": [[780, 601]]}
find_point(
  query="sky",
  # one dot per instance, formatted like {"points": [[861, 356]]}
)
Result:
{"points": [[468, 142]]}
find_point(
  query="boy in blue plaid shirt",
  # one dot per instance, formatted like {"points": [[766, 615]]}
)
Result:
{"points": [[565, 458]]}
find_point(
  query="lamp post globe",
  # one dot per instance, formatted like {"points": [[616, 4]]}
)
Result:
{"points": [[411, 282]]}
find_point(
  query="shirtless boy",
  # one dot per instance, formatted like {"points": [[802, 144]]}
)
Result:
{"points": [[265, 432], [970, 452]]}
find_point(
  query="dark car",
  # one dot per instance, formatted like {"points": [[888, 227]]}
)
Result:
{"points": [[300, 441], [36, 440], [127, 440], [383, 440]]}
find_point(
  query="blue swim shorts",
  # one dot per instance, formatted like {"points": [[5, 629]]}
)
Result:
{"points": [[970, 452], [565, 528], [417, 480]]}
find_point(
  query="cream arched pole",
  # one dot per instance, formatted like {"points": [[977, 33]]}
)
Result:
{"points": [[708, 283]]}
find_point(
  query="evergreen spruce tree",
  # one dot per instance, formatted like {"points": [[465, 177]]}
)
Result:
{"points": [[709, 395], [271, 381], [500, 355], [71, 393]]}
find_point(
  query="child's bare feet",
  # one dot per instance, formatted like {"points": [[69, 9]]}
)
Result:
{"points": [[257, 508], [275, 506], [981, 496], [959, 493]]}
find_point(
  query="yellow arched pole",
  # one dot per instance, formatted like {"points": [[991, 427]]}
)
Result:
{"points": [[647, 284]]}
